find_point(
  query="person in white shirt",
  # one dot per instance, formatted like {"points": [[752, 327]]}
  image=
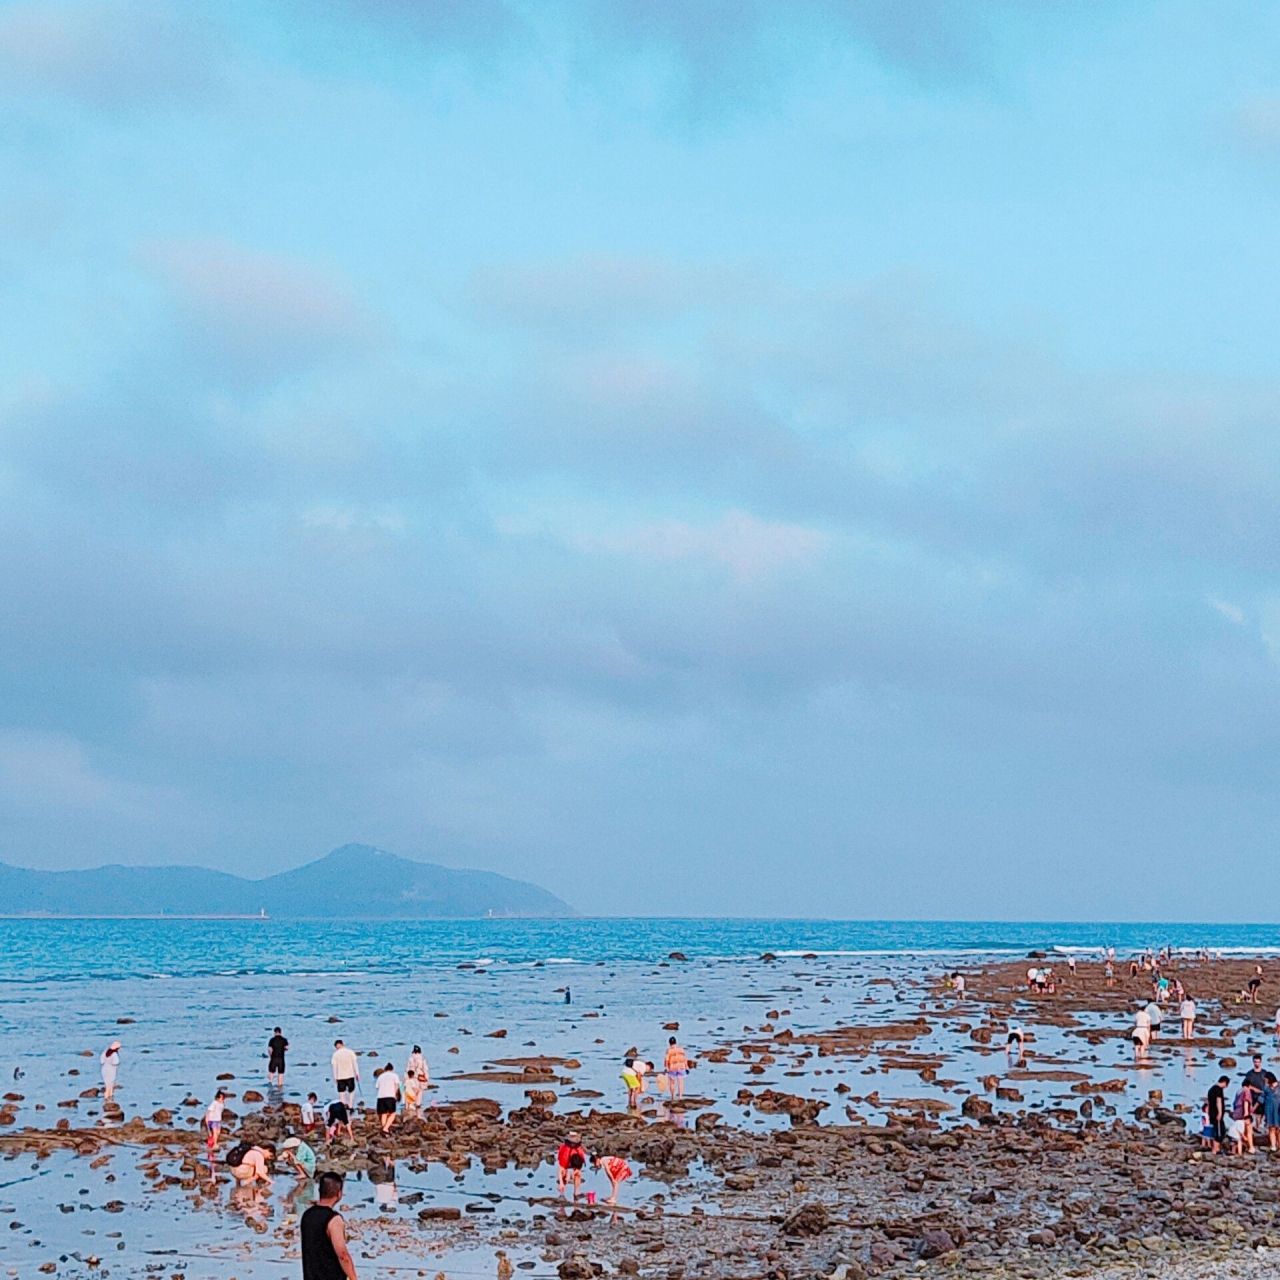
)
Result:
{"points": [[213, 1120], [388, 1085], [1015, 1043], [1187, 1012], [1155, 1016], [346, 1073], [417, 1065], [1141, 1032], [110, 1062]]}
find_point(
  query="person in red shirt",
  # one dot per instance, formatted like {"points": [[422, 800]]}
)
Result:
{"points": [[571, 1159], [616, 1169]]}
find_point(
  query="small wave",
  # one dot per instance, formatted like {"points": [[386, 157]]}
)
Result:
{"points": [[800, 953]]}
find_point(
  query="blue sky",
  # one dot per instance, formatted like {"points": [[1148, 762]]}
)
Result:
{"points": [[704, 457]]}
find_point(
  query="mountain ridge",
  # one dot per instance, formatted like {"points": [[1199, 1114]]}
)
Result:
{"points": [[353, 881]]}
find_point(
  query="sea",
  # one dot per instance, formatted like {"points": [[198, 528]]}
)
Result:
{"points": [[194, 1002]]}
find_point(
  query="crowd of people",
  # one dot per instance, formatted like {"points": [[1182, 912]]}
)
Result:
{"points": [[398, 1097], [1238, 1122], [1252, 1118]]}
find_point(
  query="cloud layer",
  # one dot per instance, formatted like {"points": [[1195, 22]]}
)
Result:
{"points": [[587, 445]]}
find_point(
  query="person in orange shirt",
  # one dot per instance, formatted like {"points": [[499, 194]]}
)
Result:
{"points": [[616, 1169], [676, 1065]]}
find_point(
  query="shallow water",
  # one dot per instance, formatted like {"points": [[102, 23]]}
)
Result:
{"points": [[68, 987]]}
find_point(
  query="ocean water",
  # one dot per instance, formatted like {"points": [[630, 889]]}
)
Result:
{"points": [[58, 950]]}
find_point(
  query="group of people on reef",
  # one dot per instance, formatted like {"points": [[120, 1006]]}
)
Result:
{"points": [[669, 1082], [397, 1096], [1251, 1118]]}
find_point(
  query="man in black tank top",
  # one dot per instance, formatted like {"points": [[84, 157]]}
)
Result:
{"points": [[324, 1235]]}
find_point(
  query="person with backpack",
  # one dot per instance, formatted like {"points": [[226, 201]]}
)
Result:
{"points": [[323, 1235], [248, 1162], [1240, 1130]]}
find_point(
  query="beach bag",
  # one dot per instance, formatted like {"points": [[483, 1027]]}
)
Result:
{"points": [[235, 1157]]}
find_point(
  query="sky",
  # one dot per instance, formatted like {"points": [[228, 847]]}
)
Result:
{"points": [[707, 458]]}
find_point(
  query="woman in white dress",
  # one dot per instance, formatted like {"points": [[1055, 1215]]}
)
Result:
{"points": [[110, 1066]]}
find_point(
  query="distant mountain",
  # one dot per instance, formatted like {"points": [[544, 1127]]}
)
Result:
{"points": [[355, 881]]}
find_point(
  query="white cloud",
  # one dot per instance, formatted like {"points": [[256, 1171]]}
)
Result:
{"points": [[113, 53], [1232, 612], [53, 769], [749, 547], [349, 518], [257, 312]]}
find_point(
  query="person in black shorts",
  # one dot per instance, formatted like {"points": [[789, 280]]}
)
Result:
{"points": [[323, 1234], [1216, 1115], [276, 1047], [338, 1116], [388, 1087]]}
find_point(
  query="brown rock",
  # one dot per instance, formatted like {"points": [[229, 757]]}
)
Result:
{"points": [[934, 1243], [809, 1220]]}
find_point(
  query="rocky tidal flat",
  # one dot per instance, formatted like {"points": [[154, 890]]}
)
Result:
{"points": [[862, 1120]]}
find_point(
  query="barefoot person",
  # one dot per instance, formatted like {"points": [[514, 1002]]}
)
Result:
{"points": [[1014, 1045], [388, 1087], [213, 1120], [276, 1047], [412, 1095], [616, 1169], [571, 1159], [110, 1062], [323, 1233], [338, 1118], [1187, 1012], [346, 1073], [1141, 1033], [676, 1065], [631, 1078]]}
